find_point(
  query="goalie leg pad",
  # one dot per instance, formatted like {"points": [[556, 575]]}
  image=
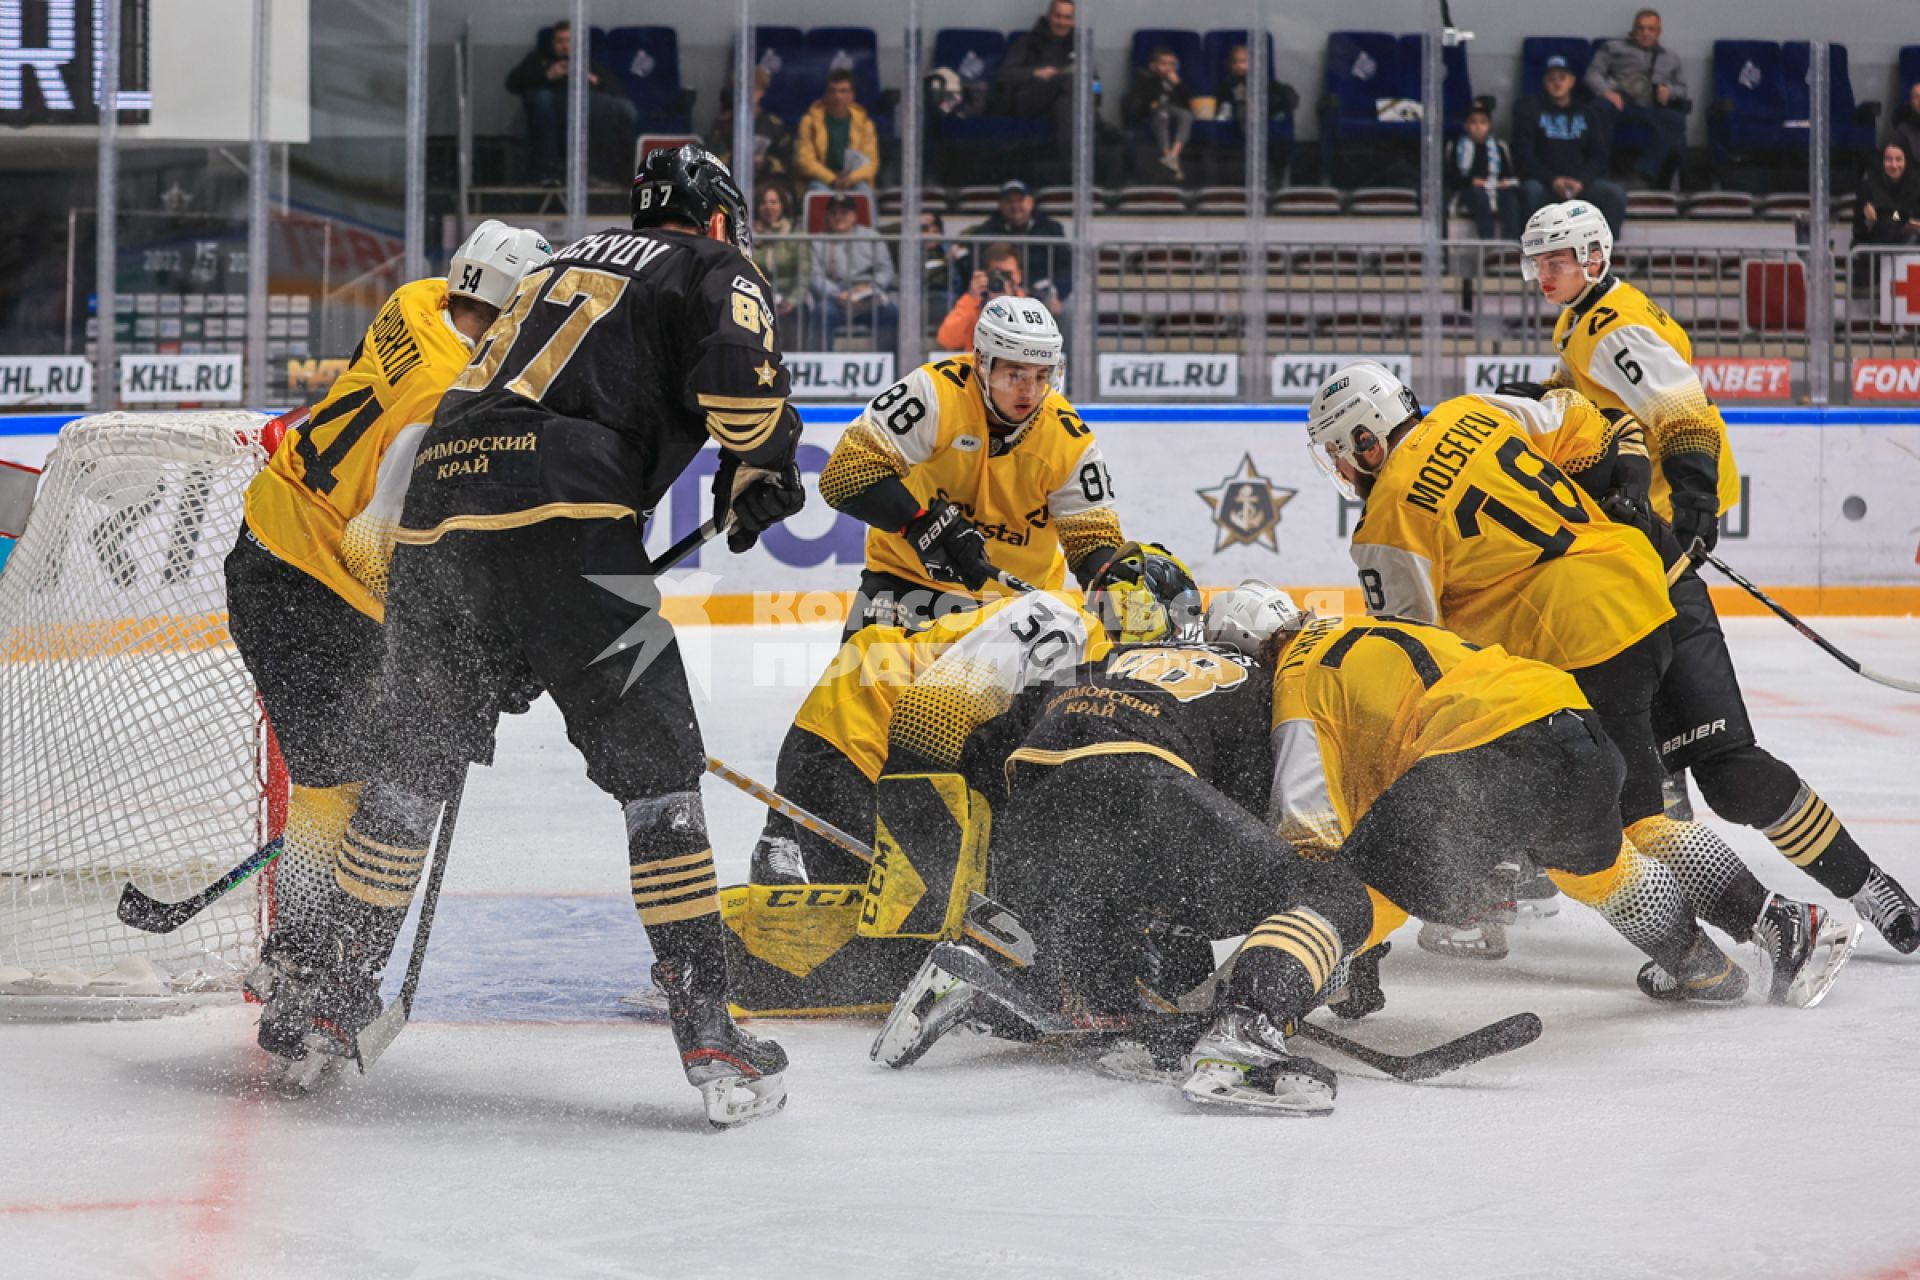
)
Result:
{"points": [[929, 856]]}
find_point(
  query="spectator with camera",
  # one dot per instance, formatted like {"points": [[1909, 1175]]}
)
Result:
{"points": [[1048, 270], [1640, 80], [999, 276]]}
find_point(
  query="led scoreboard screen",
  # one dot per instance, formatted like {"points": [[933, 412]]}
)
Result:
{"points": [[50, 62]]}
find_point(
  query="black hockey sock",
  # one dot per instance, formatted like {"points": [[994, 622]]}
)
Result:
{"points": [[1812, 837], [1285, 963], [1718, 885], [675, 887]]}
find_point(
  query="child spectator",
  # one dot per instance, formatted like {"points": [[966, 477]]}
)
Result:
{"points": [[1159, 101], [1483, 172]]}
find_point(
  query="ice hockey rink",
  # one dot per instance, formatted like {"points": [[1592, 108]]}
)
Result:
{"points": [[530, 1124]]}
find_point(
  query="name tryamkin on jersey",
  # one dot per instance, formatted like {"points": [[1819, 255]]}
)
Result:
{"points": [[1449, 458]]}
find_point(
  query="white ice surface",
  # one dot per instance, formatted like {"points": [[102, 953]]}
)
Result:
{"points": [[1630, 1141]]}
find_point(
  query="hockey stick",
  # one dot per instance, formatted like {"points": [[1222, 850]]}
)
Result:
{"points": [[1699, 552], [986, 922], [139, 910], [150, 915], [378, 1034], [1504, 1036]]}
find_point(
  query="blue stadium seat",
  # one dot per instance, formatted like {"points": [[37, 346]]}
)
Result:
{"points": [[1534, 52], [646, 60], [1796, 57], [1909, 69], [1362, 68], [950, 49], [1456, 86], [1750, 100], [778, 41], [1215, 48], [973, 53], [858, 50]]}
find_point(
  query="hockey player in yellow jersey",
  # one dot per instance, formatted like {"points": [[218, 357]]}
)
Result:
{"points": [[971, 467], [306, 581], [793, 949], [1621, 351], [1424, 763], [1618, 348], [1466, 526]]}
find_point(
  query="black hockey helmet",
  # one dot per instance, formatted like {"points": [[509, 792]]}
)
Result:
{"points": [[1145, 594], [687, 184]]}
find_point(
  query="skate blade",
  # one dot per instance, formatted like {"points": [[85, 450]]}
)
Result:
{"points": [[1133, 1062], [1221, 1088], [732, 1101], [933, 1004], [314, 1073], [1833, 947], [1536, 909], [1486, 943]]}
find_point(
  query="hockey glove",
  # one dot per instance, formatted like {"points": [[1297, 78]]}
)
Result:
{"points": [[1696, 515], [948, 545], [1523, 390], [1627, 501], [757, 497]]}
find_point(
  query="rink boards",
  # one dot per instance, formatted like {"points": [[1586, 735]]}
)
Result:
{"points": [[1828, 514]]}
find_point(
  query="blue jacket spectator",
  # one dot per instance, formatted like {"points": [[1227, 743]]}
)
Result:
{"points": [[1557, 151]]}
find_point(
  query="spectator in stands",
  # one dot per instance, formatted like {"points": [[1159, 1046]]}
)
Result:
{"points": [[1163, 105], [541, 81], [1036, 78], [937, 259], [1000, 275], [839, 149], [852, 277], [786, 263], [1482, 172], [772, 140], [1556, 151], [1049, 269], [1231, 104], [1906, 124], [1640, 80], [1888, 208]]}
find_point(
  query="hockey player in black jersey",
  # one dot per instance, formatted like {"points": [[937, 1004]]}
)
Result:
{"points": [[520, 566], [1132, 793]]}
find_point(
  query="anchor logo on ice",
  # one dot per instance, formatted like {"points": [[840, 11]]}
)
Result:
{"points": [[1246, 508]]}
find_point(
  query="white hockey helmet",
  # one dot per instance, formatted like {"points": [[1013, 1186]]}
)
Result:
{"points": [[491, 261], [1355, 409], [1250, 615], [1571, 224], [1019, 330]]}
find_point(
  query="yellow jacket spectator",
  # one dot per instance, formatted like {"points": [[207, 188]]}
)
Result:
{"points": [[838, 147]]}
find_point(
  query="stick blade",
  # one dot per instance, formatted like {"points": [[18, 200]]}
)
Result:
{"points": [[149, 915], [1504, 1036]]}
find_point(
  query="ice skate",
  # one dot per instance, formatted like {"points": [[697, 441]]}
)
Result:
{"points": [[777, 860], [739, 1076], [1484, 939], [1890, 909], [1706, 976], [934, 1003], [1802, 947], [310, 1018], [1242, 1064], [1534, 893]]}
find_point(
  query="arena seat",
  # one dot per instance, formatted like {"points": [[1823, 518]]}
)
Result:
{"points": [[1215, 49], [646, 61], [1456, 84], [1851, 122], [1363, 70], [1909, 69], [973, 53]]}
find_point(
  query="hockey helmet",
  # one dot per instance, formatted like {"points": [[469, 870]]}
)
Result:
{"points": [[689, 184], [1249, 616], [490, 262], [1144, 594], [1352, 412], [1571, 224], [1021, 331]]}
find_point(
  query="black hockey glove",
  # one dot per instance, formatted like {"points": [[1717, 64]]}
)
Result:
{"points": [[1524, 390], [1627, 501], [758, 498], [1362, 994], [949, 546], [1696, 515]]}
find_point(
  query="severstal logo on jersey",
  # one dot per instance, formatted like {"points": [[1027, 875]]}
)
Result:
{"points": [[1246, 508]]}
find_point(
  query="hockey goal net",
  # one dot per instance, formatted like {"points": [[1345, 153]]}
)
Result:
{"points": [[132, 746]]}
